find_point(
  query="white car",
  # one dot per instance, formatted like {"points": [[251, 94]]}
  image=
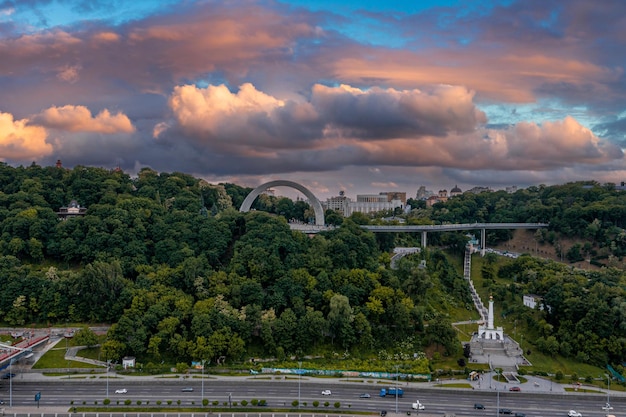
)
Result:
{"points": [[121, 391], [417, 405], [607, 407], [574, 413], [326, 392]]}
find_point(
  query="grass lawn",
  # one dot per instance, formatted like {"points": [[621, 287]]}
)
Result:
{"points": [[55, 359]]}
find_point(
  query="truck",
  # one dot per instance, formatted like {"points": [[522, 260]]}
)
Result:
{"points": [[391, 392]]}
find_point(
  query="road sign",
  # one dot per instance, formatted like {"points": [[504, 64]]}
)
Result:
{"points": [[38, 396]]}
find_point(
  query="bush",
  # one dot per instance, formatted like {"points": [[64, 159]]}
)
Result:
{"points": [[254, 402], [178, 402], [158, 402], [294, 403], [215, 403], [126, 402], [558, 375], [106, 401], [326, 404], [262, 402], [138, 402], [169, 402], [337, 404], [244, 403], [316, 403], [205, 402]]}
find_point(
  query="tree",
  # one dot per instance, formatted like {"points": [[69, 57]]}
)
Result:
{"points": [[340, 318], [85, 337]]}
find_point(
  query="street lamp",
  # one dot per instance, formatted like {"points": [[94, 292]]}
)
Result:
{"points": [[10, 383], [202, 387], [498, 394], [489, 361], [299, 380], [397, 387], [108, 366]]}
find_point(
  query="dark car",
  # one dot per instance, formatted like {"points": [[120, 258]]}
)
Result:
{"points": [[364, 396], [8, 375], [383, 413], [515, 389], [479, 406], [187, 389], [1, 402], [505, 411], [520, 415]]}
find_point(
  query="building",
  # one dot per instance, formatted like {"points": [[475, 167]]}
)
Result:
{"points": [[478, 190], [366, 203], [340, 204], [373, 203], [423, 193], [455, 191], [532, 300], [441, 197], [72, 210]]}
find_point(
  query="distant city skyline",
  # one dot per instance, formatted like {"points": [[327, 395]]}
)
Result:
{"points": [[334, 95]]}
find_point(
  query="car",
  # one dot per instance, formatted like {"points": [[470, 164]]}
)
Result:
{"points": [[574, 413], [364, 396], [121, 391], [505, 411], [479, 406], [520, 415], [8, 375], [607, 407], [383, 413], [515, 389], [326, 392], [417, 405], [187, 389], [1, 402]]}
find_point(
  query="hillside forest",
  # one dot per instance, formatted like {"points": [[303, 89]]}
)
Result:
{"points": [[181, 275]]}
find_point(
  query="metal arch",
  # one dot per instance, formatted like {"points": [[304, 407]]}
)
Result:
{"points": [[317, 206]]}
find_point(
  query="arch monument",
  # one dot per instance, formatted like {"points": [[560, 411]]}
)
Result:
{"points": [[313, 201]]}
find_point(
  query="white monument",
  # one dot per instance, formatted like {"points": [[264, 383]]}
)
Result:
{"points": [[489, 332]]}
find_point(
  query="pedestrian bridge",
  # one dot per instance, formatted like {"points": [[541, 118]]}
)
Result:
{"points": [[425, 229]]}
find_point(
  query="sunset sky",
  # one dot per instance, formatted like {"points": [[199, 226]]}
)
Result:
{"points": [[361, 96]]}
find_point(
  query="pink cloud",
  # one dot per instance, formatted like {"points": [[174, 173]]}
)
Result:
{"points": [[80, 119], [20, 141]]}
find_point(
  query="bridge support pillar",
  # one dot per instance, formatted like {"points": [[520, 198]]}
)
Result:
{"points": [[483, 242], [423, 239]]}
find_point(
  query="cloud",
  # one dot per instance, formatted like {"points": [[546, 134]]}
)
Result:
{"points": [[381, 113], [344, 125], [80, 119], [19, 141]]}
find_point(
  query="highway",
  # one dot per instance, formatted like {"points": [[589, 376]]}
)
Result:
{"points": [[280, 394]]}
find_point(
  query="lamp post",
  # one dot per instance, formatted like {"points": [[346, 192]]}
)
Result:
{"points": [[10, 383], [489, 361], [108, 366], [397, 387], [202, 385], [498, 395], [299, 380]]}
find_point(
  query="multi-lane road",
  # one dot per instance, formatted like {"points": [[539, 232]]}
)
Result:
{"points": [[279, 394]]}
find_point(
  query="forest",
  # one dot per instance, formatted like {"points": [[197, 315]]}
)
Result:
{"points": [[181, 275]]}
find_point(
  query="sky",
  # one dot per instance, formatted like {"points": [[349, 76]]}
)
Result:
{"points": [[357, 96]]}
